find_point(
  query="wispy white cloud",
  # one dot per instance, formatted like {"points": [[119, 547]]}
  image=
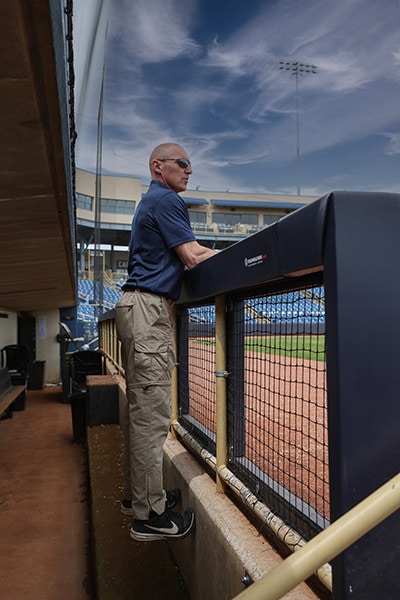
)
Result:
{"points": [[393, 145], [227, 101], [154, 30]]}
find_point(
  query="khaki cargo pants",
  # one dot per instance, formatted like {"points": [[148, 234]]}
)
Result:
{"points": [[144, 327]]}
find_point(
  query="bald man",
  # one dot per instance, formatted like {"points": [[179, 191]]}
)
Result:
{"points": [[162, 246]]}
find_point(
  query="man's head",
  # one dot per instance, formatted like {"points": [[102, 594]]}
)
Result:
{"points": [[170, 164]]}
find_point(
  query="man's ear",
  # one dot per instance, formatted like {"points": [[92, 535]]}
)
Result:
{"points": [[156, 166]]}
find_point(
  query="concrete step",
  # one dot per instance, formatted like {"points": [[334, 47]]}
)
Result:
{"points": [[124, 569], [212, 561]]}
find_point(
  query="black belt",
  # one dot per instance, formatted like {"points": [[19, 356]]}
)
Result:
{"points": [[145, 290]]}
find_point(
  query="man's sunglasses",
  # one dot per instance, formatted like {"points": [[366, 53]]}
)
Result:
{"points": [[184, 163]]}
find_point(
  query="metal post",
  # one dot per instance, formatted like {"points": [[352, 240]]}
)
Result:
{"points": [[296, 69], [174, 379], [297, 134], [98, 263], [221, 387]]}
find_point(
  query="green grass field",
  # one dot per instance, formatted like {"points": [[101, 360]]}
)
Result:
{"points": [[311, 347], [302, 346]]}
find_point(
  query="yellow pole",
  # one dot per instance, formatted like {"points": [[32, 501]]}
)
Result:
{"points": [[221, 389], [174, 380], [327, 544]]}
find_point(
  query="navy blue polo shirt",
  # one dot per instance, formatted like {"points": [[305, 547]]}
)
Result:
{"points": [[160, 223]]}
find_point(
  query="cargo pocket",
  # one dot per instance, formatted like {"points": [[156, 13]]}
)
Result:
{"points": [[154, 361]]}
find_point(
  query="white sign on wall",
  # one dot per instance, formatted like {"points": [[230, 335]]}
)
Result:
{"points": [[42, 328]]}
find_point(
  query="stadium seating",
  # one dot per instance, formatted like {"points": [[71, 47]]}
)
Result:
{"points": [[290, 307], [86, 296], [305, 306]]}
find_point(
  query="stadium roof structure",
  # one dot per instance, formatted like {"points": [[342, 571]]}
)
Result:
{"points": [[37, 236], [257, 204], [195, 200]]}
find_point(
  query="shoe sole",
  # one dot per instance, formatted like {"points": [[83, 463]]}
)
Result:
{"points": [[127, 511], [154, 537]]}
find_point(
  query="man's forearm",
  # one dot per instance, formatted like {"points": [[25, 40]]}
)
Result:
{"points": [[193, 253]]}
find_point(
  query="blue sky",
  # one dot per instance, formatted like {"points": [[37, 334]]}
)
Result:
{"points": [[206, 75]]}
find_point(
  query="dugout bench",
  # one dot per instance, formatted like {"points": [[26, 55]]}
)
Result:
{"points": [[9, 393]]}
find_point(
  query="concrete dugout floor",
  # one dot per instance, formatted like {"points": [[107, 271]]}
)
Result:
{"points": [[47, 547], [44, 528]]}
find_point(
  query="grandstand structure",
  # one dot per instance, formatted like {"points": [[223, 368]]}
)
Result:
{"points": [[298, 307], [218, 219], [302, 310]]}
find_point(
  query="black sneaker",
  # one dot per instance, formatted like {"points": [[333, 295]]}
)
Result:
{"points": [[126, 507], [167, 526], [173, 499]]}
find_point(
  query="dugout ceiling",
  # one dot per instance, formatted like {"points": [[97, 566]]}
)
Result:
{"points": [[36, 236]]}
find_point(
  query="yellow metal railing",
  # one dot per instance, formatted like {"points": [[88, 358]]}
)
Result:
{"points": [[326, 545], [221, 396], [218, 463], [308, 558]]}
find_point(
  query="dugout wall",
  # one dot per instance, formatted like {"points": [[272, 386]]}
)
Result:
{"points": [[352, 241]]}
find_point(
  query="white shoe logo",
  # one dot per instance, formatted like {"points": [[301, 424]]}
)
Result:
{"points": [[173, 530]]}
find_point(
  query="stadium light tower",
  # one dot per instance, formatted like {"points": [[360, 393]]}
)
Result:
{"points": [[296, 69]]}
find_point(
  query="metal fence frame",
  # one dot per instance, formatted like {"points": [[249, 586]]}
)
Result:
{"points": [[339, 237], [227, 334]]}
